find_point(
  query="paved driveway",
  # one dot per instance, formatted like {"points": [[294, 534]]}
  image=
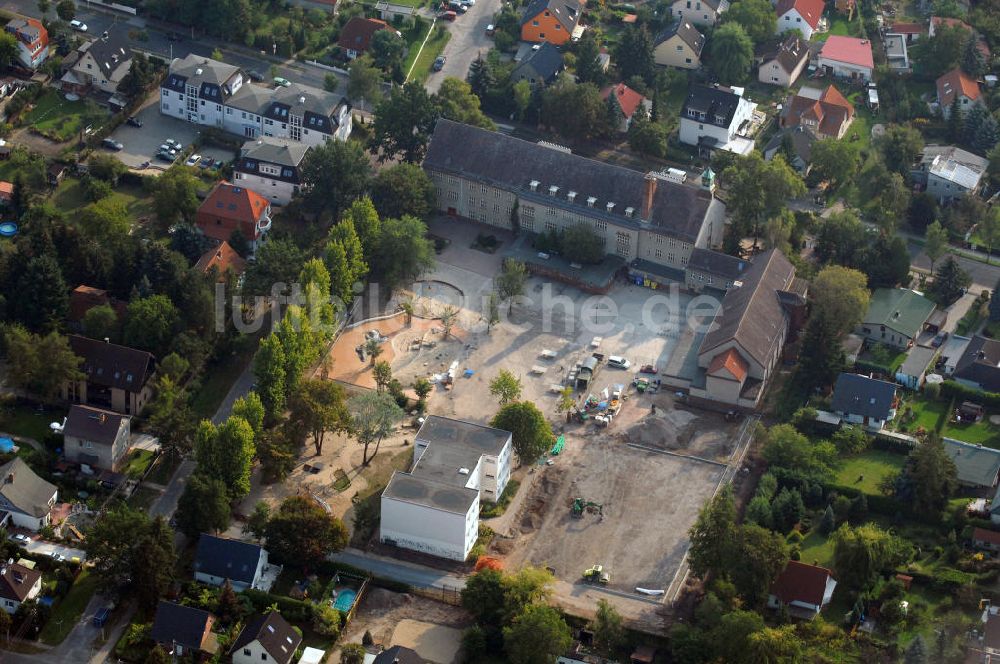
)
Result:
{"points": [[43, 548], [468, 40]]}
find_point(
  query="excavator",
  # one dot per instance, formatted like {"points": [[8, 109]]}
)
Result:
{"points": [[581, 505]]}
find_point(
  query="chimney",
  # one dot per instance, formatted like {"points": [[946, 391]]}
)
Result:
{"points": [[10, 478], [649, 190]]}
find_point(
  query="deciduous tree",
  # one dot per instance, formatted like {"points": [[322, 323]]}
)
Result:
{"points": [[539, 634], [456, 101], [899, 146], [334, 174], [834, 160], [302, 532], [175, 196], [403, 124], [151, 323], [226, 452], [203, 506], [506, 387], [756, 17], [374, 415], [269, 370], [510, 282], [731, 52], [839, 297], [712, 536], [530, 431], [935, 242], [861, 553], [364, 81], [402, 252], [403, 189], [609, 635]]}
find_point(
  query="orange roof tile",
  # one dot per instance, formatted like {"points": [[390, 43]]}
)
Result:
{"points": [[628, 99], [223, 258], [956, 82], [237, 205], [732, 362]]}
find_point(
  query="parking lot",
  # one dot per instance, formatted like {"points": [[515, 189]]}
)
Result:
{"points": [[141, 143]]}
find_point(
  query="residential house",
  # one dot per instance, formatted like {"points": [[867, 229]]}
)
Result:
{"points": [[978, 366], [84, 298], [183, 630], [244, 564], [18, 584], [223, 259], [115, 377], [826, 113], [271, 167], [989, 646], [626, 101], [847, 57], [911, 31], [951, 351], [803, 589], [551, 21], [717, 118], [101, 64], [6, 193], [211, 93], [801, 15], [679, 45], [919, 361], [743, 346], [705, 13], [895, 317], [783, 66], [356, 35], [32, 41], [862, 400], [987, 540], [948, 173], [391, 13], [230, 208], [484, 175], [795, 144], [711, 269], [957, 85], [27, 497], [434, 508], [95, 437], [977, 467], [541, 66], [398, 655], [266, 639], [896, 53]]}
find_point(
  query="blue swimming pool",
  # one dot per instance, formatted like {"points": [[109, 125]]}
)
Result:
{"points": [[6, 445], [8, 229], [345, 599]]}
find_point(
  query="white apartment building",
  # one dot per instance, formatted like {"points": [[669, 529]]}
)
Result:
{"points": [[270, 167]]}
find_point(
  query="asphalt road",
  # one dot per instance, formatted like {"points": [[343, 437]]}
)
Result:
{"points": [[468, 40], [408, 573]]}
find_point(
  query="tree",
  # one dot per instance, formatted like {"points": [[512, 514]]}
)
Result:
{"points": [[712, 536], [481, 78], [829, 522], [402, 252], [456, 101], [785, 447], [510, 282], [987, 135], [40, 364], [989, 230], [575, 110], [170, 417], [539, 634], [759, 557], [373, 347], [995, 304], [226, 452], [403, 189], [345, 253], [887, 262], [588, 64], [506, 387], [935, 242], [448, 317], [256, 523], [403, 124], [580, 244], [319, 407], [834, 160], [422, 388], [839, 297], [522, 97], [269, 370], [971, 121], [775, 644], [756, 17], [66, 10], [301, 531], [484, 597], [175, 196], [119, 546], [841, 239], [151, 323], [333, 175], [530, 431], [374, 415], [203, 507], [648, 137], [861, 553], [386, 49], [250, 408], [492, 311], [899, 146], [787, 510], [731, 52], [950, 282], [609, 635], [365, 80], [824, 362], [48, 305], [634, 53], [916, 651], [932, 475], [759, 190], [382, 373], [352, 653], [942, 52], [8, 49]]}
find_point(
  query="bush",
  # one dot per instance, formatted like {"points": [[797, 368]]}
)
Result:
{"points": [[291, 610], [952, 390]]}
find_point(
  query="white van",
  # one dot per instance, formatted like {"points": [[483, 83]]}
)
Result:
{"points": [[618, 362]]}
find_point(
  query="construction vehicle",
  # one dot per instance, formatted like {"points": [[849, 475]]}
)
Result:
{"points": [[596, 574], [581, 505]]}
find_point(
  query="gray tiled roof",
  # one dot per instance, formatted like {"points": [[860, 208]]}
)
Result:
{"points": [[112, 365], [980, 363], [859, 395], [273, 633], [545, 61], [566, 12], [93, 424], [111, 51], [284, 152], [976, 465], [687, 32], [227, 558], [717, 263], [25, 490], [715, 102], [183, 625], [251, 98], [511, 163]]}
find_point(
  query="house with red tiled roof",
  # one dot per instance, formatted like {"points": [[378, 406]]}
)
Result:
{"points": [[847, 57], [827, 113], [803, 589], [230, 208], [956, 84], [801, 15], [627, 101], [356, 35], [224, 259], [32, 41], [6, 192]]}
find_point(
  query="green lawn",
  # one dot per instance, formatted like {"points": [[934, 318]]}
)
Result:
{"points": [[421, 62], [871, 466], [164, 469], [137, 463], [62, 120], [839, 25], [927, 414], [143, 498], [70, 195], [220, 376], [27, 421], [67, 611], [859, 134], [816, 548]]}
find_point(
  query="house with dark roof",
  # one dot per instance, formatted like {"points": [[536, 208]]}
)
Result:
{"points": [[784, 65], [679, 45], [947, 172], [27, 497], [183, 630], [801, 15], [717, 118], [705, 13], [398, 655], [541, 66], [847, 57], [827, 113], [101, 64], [230, 208], [271, 167], [895, 317], [978, 366], [626, 102], [862, 400], [485, 175], [356, 35], [115, 377], [18, 584], [803, 589], [266, 639], [977, 467], [714, 270], [551, 21], [795, 145], [223, 259], [957, 85], [244, 564], [96, 437], [913, 372], [434, 508], [744, 342], [32, 41]]}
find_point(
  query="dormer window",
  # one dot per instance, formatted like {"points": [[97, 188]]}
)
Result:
{"points": [[629, 211], [571, 196], [590, 201], [610, 207], [553, 190], [533, 185]]}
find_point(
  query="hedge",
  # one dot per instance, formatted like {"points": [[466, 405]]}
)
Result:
{"points": [[888, 444], [950, 389], [884, 505], [290, 609]]}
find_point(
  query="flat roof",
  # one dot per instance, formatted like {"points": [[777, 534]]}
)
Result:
{"points": [[428, 492], [453, 445]]}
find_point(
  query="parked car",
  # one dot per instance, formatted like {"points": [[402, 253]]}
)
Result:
{"points": [[77, 25], [21, 538], [618, 362], [490, 30], [939, 339], [112, 144], [164, 156], [207, 162], [255, 75], [167, 149], [58, 557], [283, 82], [134, 122], [448, 16], [176, 145], [439, 63], [193, 160]]}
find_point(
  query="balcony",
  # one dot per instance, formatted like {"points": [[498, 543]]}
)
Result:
{"points": [[264, 223]]}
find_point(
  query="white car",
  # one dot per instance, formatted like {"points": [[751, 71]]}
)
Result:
{"points": [[618, 362], [193, 160], [21, 538], [79, 26]]}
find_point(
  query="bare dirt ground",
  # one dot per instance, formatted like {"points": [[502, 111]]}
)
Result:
{"points": [[431, 628]]}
